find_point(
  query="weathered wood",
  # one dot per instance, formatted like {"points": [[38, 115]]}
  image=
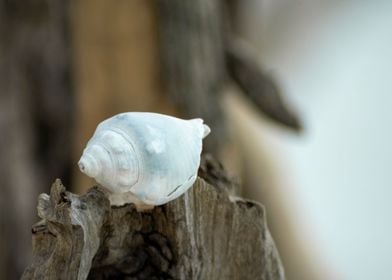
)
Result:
{"points": [[204, 234]]}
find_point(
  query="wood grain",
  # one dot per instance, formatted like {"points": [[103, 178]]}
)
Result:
{"points": [[204, 234]]}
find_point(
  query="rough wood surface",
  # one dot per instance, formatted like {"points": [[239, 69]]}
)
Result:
{"points": [[204, 234]]}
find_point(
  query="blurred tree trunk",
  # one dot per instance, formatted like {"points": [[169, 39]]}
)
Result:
{"points": [[35, 113]]}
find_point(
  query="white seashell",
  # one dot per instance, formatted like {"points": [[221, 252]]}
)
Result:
{"points": [[155, 157]]}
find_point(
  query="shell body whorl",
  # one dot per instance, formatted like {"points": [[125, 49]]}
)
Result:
{"points": [[153, 156]]}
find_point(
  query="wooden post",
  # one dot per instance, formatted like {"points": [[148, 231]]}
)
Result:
{"points": [[204, 234]]}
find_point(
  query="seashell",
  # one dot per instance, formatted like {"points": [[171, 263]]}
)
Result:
{"points": [[155, 157]]}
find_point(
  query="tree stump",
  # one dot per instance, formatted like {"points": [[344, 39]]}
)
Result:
{"points": [[208, 233]]}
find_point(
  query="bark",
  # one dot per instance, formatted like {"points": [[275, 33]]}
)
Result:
{"points": [[204, 234]]}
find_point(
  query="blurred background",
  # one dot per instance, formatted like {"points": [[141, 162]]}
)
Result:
{"points": [[296, 93]]}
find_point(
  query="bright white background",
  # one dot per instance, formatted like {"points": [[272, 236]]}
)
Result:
{"points": [[334, 61]]}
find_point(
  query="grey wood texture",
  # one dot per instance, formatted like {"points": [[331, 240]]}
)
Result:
{"points": [[204, 234]]}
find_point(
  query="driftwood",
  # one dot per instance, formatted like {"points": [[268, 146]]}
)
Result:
{"points": [[204, 234]]}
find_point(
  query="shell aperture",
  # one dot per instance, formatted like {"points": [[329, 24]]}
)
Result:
{"points": [[154, 156]]}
